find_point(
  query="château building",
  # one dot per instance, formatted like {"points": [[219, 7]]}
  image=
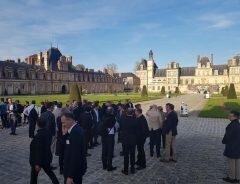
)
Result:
{"points": [[51, 72], [205, 76]]}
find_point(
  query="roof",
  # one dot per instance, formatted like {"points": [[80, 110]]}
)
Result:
{"points": [[160, 73], [125, 75], [142, 62], [15, 65], [187, 71], [54, 55], [204, 60], [237, 57], [220, 68]]}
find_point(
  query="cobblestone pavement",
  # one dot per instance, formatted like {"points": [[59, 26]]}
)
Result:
{"points": [[199, 152]]}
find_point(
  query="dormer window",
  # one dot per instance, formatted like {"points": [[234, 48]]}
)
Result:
{"points": [[9, 74]]}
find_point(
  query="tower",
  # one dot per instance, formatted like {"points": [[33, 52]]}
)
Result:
{"points": [[150, 66], [150, 55], [211, 59]]}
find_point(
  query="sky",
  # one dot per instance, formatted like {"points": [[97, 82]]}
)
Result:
{"points": [[100, 32]]}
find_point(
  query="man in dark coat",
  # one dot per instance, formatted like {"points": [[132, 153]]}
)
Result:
{"points": [[12, 116], [231, 140], [85, 121], [75, 163], [51, 126], [49, 118], [40, 154], [107, 132], [96, 119], [142, 134], [170, 130], [128, 127]]}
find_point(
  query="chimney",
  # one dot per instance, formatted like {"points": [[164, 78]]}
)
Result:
{"points": [[198, 58], [18, 60], [211, 59]]}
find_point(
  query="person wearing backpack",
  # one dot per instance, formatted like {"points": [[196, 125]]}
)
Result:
{"points": [[33, 113]]}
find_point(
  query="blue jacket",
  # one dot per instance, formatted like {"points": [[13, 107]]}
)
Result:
{"points": [[231, 140], [3, 108]]}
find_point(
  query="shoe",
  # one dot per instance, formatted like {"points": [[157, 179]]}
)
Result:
{"points": [[133, 171], [112, 169], [104, 168], [151, 154], [236, 181], [229, 180], [140, 168], [125, 172], [88, 155], [90, 147], [164, 161], [158, 156], [172, 160]]}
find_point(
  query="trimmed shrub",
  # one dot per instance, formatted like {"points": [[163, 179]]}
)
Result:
{"points": [[225, 91], [80, 90], [144, 91], [74, 93], [163, 92], [177, 91], [222, 91], [231, 92]]}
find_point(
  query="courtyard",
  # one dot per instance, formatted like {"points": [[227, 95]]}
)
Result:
{"points": [[199, 153]]}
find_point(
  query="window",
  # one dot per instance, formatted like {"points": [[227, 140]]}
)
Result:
{"points": [[9, 74], [158, 87], [153, 88]]}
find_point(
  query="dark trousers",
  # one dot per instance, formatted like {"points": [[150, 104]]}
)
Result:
{"points": [[91, 138], [155, 140], [141, 158], [48, 171], [163, 141], [13, 123], [4, 120], [75, 182], [129, 151], [107, 151], [95, 135], [32, 126], [87, 139]]}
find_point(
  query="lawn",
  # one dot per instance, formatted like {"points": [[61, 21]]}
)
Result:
{"points": [[134, 97], [219, 107]]}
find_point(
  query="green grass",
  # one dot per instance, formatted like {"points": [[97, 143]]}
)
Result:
{"points": [[134, 97], [219, 107]]}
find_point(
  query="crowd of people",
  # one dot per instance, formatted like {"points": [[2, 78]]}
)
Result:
{"points": [[70, 131]]}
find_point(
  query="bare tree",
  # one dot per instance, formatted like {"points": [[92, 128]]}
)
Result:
{"points": [[80, 67], [112, 67], [136, 66]]}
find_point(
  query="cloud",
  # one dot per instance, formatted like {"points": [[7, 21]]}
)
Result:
{"points": [[219, 21]]}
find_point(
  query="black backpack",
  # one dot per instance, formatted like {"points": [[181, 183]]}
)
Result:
{"points": [[33, 114]]}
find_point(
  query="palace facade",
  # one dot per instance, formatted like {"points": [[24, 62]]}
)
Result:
{"points": [[205, 76], [51, 72]]}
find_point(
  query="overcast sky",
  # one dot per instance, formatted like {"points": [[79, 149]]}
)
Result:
{"points": [[99, 32]]}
